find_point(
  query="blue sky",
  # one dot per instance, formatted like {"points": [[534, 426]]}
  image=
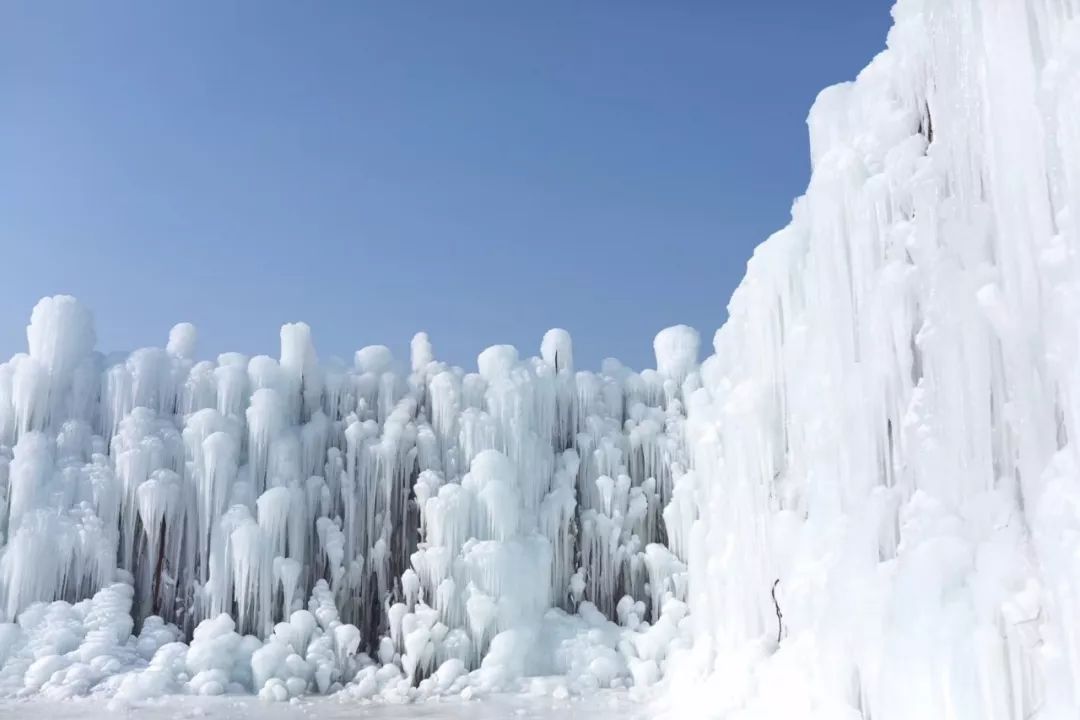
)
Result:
{"points": [[482, 170]]}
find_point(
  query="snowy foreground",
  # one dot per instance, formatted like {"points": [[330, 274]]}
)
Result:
{"points": [[596, 706], [864, 504]]}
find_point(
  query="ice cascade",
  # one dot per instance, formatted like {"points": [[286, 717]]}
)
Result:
{"points": [[286, 526], [884, 446]]}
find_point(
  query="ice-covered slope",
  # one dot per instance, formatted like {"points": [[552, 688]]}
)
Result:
{"points": [[887, 436]]}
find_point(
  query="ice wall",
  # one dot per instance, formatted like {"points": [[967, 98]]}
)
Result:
{"points": [[869, 494], [292, 513], [885, 442]]}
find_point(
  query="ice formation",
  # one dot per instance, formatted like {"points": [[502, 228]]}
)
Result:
{"points": [[886, 435], [865, 504], [284, 526]]}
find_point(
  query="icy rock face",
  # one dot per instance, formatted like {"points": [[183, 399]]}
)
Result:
{"points": [[886, 437], [308, 526]]}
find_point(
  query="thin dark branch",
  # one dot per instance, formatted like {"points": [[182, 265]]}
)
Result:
{"points": [[779, 615]]}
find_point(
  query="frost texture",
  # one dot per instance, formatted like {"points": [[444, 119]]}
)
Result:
{"points": [[308, 526]]}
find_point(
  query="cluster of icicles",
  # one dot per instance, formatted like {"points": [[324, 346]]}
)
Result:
{"points": [[889, 424], [429, 511]]}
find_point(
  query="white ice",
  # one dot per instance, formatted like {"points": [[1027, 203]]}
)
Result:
{"points": [[864, 504], [286, 528]]}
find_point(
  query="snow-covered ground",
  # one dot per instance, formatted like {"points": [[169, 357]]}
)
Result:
{"points": [[607, 705]]}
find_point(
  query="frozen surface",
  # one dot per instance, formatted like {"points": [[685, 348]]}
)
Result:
{"points": [[597, 706]]}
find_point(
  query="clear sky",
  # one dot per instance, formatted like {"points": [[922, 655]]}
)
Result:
{"points": [[482, 170]]}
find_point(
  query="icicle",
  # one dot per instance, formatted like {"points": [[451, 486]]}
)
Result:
{"points": [[441, 508], [266, 419], [422, 354]]}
